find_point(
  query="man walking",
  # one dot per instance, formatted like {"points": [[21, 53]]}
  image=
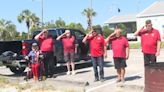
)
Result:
{"points": [[120, 47], [70, 48], [150, 41], [98, 52], [47, 48]]}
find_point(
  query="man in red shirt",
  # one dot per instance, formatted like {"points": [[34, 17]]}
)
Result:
{"points": [[47, 48], [120, 47], [98, 52], [70, 48], [150, 41]]}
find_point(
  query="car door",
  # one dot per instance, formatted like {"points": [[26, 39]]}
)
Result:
{"points": [[82, 48], [59, 47], [58, 50]]}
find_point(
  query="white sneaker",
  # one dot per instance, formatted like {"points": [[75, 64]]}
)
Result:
{"points": [[73, 72], [68, 73]]}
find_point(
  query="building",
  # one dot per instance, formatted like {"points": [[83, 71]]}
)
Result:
{"points": [[154, 12], [128, 20]]}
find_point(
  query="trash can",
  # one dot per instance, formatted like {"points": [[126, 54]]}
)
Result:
{"points": [[154, 77]]}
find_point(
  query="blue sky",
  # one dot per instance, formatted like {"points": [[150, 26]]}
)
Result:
{"points": [[70, 10]]}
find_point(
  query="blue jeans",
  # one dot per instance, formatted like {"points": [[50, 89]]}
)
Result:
{"points": [[98, 61]]}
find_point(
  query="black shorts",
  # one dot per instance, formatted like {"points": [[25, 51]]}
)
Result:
{"points": [[119, 63], [149, 58], [69, 57]]}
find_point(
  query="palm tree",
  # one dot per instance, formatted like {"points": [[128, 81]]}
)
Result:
{"points": [[7, 30], [89, 13], [30, 18]]}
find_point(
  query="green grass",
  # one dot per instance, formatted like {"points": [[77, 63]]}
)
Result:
{"points": [[138, 45], [135, 45], [3, 80], [162, 45]]}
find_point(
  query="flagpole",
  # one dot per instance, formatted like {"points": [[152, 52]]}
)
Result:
{"points": [[42, 13]]}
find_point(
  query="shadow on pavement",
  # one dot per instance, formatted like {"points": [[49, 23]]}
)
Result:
{"points": [[110, 77], [80, 72], [107, 64], [132, 78]]}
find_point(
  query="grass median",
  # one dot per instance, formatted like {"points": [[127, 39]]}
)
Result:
{"points": [[138, 45]]}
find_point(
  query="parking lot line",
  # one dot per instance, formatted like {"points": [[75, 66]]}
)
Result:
{"points": [[109, 83]]}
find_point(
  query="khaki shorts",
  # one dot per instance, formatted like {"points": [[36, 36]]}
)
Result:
{"points": [[69, 57]]}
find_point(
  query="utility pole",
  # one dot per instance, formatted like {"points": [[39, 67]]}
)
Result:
{"points": [[91, 15]]}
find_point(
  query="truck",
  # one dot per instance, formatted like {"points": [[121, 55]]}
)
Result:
{"points": [[15, 51]]}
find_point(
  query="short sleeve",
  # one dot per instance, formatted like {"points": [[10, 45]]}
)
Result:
{"points": [[89, 38], [103, 41], [126, 43], [41, 38], [141, 31], [30, 54], [158, 36]]}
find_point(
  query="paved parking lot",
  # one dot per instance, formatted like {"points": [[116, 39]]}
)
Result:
{"points": [[134, 76]]}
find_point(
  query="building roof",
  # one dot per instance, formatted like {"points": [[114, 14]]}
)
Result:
{"points": [[122, 19], [156, 9]]}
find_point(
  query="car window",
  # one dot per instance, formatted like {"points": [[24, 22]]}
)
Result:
{"points": [[53, 33], [60, 31], [35, 33], [78, 34]]}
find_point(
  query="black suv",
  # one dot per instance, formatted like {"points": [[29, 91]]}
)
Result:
{"points": [[82, 53], [22, 48]]}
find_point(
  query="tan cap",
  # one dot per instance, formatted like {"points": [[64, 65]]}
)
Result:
{"points": [[67, 31]]}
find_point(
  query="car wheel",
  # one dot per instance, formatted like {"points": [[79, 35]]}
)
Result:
{"points": [[17, 70]]}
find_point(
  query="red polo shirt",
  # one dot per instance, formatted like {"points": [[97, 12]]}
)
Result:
{"points": [[69, 44], [96, 45], [46, 44], [119, 45], [149, 40]]}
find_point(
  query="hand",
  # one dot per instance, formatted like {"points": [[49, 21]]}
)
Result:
{"points": [[144, 27], [157, 54], [127, 57], [26, 57], [41, 56], [44, 30], [105, 55]]}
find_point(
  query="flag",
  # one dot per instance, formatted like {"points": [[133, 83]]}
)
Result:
{"points": [[119, 10]]}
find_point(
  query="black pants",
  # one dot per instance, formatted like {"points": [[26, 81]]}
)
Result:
{"points": [[149, 58], [98, 61], [48, 63]]}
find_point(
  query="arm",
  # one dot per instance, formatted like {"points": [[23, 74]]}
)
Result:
{"points": [[60, 37], [37, 36], [85, 39], [105, 52], [158, 47], [127, 52], [109, 37], [138, 31], [76, 45]]}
